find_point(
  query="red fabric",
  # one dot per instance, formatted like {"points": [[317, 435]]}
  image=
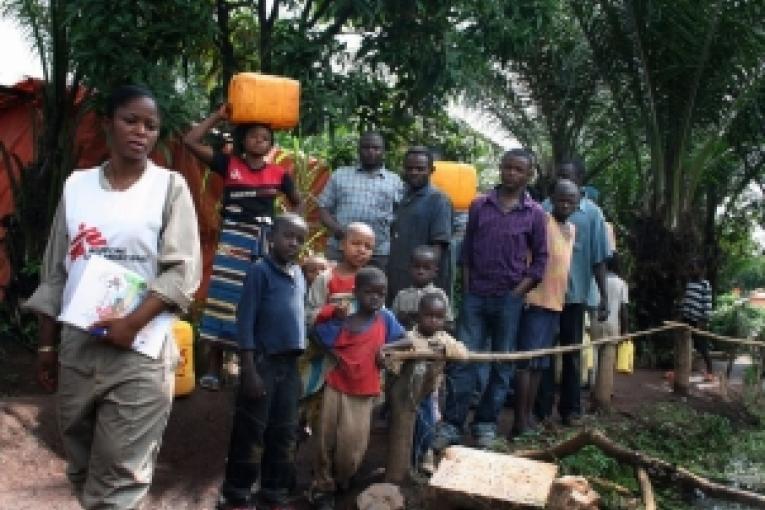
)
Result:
{"points": [[337, 284], [357, 372], [240, 174]]}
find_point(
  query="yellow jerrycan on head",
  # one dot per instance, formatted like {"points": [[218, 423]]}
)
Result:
{"points": [[271, 100], [459, 181], [184, 372]]}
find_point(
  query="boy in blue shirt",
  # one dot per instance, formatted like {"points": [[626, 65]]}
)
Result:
{"points": [[271, 335]]}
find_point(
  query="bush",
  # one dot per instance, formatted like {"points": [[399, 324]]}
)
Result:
{"points": [[734, 316]]}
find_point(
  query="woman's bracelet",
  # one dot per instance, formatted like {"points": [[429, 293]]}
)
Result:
{"points": [[46, 348]]}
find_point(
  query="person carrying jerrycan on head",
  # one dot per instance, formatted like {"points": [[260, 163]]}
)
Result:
{"points": [[250, 187]]}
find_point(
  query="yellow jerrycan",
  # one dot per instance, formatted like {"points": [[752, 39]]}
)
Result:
{"points": [[184, 372], [459, 181], [625, 357], [272, 100]]}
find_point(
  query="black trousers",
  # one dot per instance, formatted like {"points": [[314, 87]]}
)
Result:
{"points": [[264, 435], [570, 403]]}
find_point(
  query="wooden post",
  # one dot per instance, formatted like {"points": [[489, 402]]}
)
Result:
{"points": [[683, 359], [604, 381], [404, 392]]}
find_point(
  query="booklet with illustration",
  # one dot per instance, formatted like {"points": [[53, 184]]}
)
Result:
{"points": [[106, 290]]}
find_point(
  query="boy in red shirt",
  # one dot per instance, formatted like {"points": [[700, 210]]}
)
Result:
{"points": [[352, 385], [330, 298]]}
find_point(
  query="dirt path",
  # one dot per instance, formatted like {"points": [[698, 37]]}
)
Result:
{"points": [[192, 457]]}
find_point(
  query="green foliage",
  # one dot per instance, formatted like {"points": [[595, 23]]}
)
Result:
{"points": [[735, 317], [704, 443], [140, 42], [678, 81]]}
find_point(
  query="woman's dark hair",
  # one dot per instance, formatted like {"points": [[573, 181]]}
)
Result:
{"points": [[123, 94], [240, 132]]}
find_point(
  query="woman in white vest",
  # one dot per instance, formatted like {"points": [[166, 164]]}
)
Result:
{"points": [[113, 401]]}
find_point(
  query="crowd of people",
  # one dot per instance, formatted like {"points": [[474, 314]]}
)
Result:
{"points": [[313, 333]]}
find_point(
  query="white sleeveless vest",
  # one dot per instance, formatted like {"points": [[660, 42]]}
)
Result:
{"points": [[122, 226]]}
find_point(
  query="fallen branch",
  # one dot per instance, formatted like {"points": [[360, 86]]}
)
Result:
{"points": [[646, 489], [611, 486], [657, 468]]}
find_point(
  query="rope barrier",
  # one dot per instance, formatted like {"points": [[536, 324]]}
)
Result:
{"points": [[719, 338], [483, 357]]}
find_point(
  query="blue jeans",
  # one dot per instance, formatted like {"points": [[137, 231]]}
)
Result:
{"points": [[486, 324], [424, 425]]}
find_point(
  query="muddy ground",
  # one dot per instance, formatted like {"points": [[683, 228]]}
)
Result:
{"points": [[192, 457]]}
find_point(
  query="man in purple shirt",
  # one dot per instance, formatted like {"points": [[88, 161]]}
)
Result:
{"points": [[504, 255]]}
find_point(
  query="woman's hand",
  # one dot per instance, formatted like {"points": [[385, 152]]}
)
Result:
{"points": [[222, 112], [118, 332], [46, 369]]}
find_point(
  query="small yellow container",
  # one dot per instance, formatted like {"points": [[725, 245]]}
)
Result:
{"points": [[625, 357], [184, 372], [459, 181], [272, 100]]}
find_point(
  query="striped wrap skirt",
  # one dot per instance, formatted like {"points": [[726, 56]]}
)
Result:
{"points": [[240, 244]]}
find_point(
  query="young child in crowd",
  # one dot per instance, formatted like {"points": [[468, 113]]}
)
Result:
{"points": [[331, 294], [696, 309], [423, 270], [312, 266], [271, 332], [541, 315], [618, 298], [352, 385], [330, 298], [406, 305], [429, 333]]}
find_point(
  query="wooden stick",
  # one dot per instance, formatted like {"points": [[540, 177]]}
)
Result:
{"points": [[659, 469], [683, 361], [646, 489], [604, 382], [611, 486]]}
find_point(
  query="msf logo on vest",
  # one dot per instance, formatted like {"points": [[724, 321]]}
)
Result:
{"points": [[86, 238]]}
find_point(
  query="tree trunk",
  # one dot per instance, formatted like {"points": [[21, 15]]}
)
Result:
{"points": [[604, 382], [683, 361], [226, 48], [660, 260]]}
